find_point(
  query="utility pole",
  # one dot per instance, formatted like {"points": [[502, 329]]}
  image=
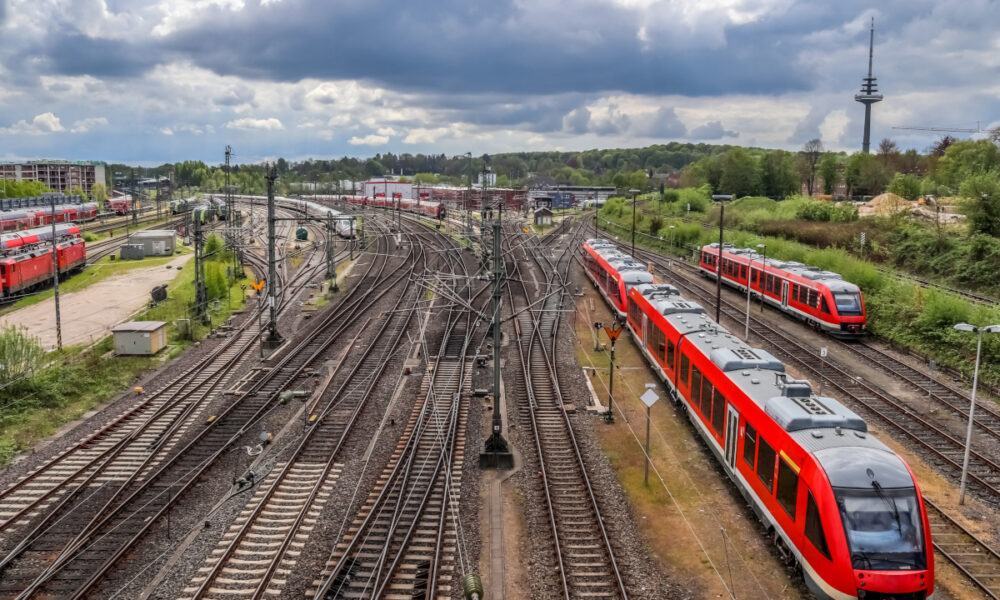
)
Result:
{"points": [[468, 198], [200, 290], [331, 259], [135, 199], [273, 337], [721, 199], [55, 273], [496, 453]]}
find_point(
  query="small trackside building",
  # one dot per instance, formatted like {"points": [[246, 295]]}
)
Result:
{"points": [[143, 338], [155, 242]]}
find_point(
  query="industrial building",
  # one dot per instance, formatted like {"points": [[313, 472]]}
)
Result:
{"points": [[58, 175]]}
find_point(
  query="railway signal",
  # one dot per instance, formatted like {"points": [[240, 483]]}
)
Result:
{"points": [[613, 332]]}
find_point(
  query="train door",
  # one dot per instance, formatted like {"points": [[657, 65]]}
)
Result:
{"points": [[784, 293], [732, 435]]}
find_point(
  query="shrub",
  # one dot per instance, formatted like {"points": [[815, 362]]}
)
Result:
{"points": [[655, 224], [21, 354]]}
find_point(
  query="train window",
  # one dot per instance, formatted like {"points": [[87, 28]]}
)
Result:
{"points": [[788, 487], [719, 413], [813, 299], [695, 386], [706, 397], [749, 444], [670, 355], [824, 306], [743, 271], [814, 526], [765, 463], [684, 368]]}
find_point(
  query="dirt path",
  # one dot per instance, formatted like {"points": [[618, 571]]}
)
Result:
{"points": [[89, 315]]}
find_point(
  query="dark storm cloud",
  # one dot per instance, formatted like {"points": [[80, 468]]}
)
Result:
{"points": [[453, 45], [78, 54]]}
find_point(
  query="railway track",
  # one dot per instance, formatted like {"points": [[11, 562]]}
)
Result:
{"points": [[65, 560], [967, 552], [404, 542], [583, 554], [128, 441], [254, 557]]}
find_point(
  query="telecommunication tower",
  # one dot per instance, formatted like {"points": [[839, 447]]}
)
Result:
{"points": [[869, 91]]}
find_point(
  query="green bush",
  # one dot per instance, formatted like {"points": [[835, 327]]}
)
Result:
{"points": [[89, 237], [21, 354]]}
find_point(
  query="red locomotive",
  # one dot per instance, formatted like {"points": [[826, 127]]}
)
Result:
{"points": [[821, 298], [839, 503], [26, 257]]}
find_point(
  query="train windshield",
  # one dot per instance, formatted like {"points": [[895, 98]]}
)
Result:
{"points": [[848, 303], [884, 528]]}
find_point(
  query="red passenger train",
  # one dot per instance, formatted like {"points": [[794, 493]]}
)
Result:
{"points": [[614, 273], [36, 216], [26, 257], [839, 503], [821, 298]]}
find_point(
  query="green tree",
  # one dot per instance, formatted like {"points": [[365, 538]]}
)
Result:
{"points": [[77, 191], [864, 175], [98, 193], [981, 194], [777, 174], [829, 172], [966, 158], [809, 159], [907, 186], [739, 174]]}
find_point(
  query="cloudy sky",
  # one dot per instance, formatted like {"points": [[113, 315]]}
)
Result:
{"points": [[149, 81]]}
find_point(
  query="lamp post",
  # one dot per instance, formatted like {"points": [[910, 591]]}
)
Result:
{"points": [[721, 199], [972, 404], [672, 227], [746, 331], [634, 193]]}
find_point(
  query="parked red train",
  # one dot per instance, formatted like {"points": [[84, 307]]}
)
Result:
{"points": [[435, 210], [120, 205], [821, 298], [838, 503], [24, 218], [26, 257]]}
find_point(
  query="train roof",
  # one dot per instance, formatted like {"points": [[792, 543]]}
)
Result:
{"points": [[632, 271], [842, 454], [832, 280], [759, 374]]}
